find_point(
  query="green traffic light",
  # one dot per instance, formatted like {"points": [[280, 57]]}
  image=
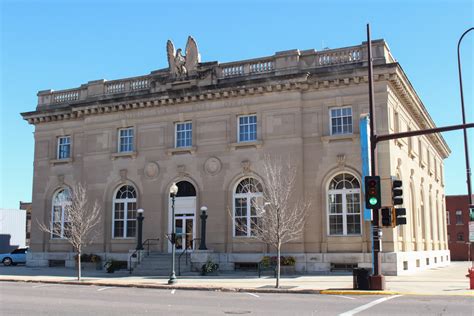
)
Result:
{"points": [[373, 201]]}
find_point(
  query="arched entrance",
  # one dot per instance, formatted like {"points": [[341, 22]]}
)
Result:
{"points": [[185, 216]]}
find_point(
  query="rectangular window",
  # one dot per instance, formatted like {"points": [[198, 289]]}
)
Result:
{"points": [[458, 217], [460, 237], [125, 140], [341, 121], [64, 147], [247, 128], [447, 218], [184, 134]]}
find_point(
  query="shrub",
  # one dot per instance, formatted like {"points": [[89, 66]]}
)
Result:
{"points": [[209, 267], [89, 258], [272, 261]]}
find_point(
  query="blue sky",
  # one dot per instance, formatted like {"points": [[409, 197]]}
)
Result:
{"points": [[62, 44]]}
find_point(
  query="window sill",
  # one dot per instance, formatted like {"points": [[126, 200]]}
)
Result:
{"points": [[181, 150], [58, 240], [130, 154], [60, 161], [335, 138], [123, 239], [348, 235], [256, 144]]}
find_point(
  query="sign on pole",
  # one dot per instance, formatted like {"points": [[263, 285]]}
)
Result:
{"points": [[364, 127], [471, 231]]}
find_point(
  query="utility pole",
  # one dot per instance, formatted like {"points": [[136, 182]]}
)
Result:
{"points": [[377, 280]]}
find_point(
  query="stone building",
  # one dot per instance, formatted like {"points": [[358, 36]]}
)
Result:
{"points": [[207, 126]]}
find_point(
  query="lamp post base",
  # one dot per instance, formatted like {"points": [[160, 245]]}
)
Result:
{"points": [[172, 279]]}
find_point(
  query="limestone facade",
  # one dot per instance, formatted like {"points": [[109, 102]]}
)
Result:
{"points": [[304, 105]]}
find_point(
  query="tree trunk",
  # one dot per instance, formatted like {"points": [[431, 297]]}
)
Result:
{"points": [[79, 266], [278, 266]]}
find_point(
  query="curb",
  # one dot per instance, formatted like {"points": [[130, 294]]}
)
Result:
{"points": [[230, 289]]}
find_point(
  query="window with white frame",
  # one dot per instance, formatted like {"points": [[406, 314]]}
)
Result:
{"points": [[247, 128], [59, 216], [344, 216], [247, 194], [125, 212], [125, 140], [64, 147], [458, 217], [183, 134], [341, 120]]}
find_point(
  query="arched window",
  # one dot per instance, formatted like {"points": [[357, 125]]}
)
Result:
{"points": [[344, 205], [59, 218], [248, 192], [125, 212]]}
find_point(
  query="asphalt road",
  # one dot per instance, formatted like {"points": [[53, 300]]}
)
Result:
{"points": [[19, 298]]}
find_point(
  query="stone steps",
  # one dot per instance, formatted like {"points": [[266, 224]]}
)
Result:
{"points": [[159, 264]]}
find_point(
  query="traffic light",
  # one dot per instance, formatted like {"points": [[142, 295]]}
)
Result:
{"points": [[372, 192], [398, 216], [387, 217], [397, 192]]}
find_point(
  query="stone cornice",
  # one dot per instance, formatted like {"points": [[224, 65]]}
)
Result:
{"points": [[296, 82], [413, 103]]}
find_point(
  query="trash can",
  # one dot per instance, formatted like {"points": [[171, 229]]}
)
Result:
{"points": [[360, 278]]}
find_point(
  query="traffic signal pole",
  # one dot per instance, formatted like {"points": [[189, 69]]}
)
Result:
{"points": [[377, 280]]}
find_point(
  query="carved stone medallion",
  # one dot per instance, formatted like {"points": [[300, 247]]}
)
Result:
{"points": [[152, 170], [212, 166]]}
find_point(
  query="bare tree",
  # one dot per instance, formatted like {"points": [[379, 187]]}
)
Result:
{"points": [[80, 218], [281, 211]]}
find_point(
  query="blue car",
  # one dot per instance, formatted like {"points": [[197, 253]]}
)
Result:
{"points": [[14, 257]]}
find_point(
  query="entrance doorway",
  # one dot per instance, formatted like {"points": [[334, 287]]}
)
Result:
{"points": [[185, 217]]}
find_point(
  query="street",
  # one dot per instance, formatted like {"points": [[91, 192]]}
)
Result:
{"points": [[23, 298]]}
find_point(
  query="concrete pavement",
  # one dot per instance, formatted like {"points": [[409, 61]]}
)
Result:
{"points": [[450, 280]]}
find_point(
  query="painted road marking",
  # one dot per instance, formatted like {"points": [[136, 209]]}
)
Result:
{"points": [[367, 306], [173, 291], [106, 288], [43, 285], [254, 295], [348, 297]]}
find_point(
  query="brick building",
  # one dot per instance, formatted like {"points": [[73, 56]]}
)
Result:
{"points": [[457, 216]]}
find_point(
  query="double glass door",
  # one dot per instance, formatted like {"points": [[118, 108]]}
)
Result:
{"points": [[184, 231]]}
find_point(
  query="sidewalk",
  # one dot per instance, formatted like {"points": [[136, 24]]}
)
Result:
{"points": [[449, 280]]}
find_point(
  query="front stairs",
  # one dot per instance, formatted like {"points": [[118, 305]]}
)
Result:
{"points": [[159, 264]]}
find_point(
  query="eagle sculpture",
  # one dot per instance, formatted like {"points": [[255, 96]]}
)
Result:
{"points": [[181, 66]]}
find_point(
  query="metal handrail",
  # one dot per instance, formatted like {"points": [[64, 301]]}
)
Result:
{"points": [[185, 251], [134, 254], [147, 242]]}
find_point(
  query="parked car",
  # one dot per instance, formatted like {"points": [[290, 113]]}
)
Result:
{"points": [[14, 257]]}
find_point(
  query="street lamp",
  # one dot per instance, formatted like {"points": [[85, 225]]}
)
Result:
{"points": [[203, 217], [140, 219], [466, 148], [173, 192]]}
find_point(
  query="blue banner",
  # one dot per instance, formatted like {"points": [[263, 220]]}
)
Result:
{"points": [[364, 127]]}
